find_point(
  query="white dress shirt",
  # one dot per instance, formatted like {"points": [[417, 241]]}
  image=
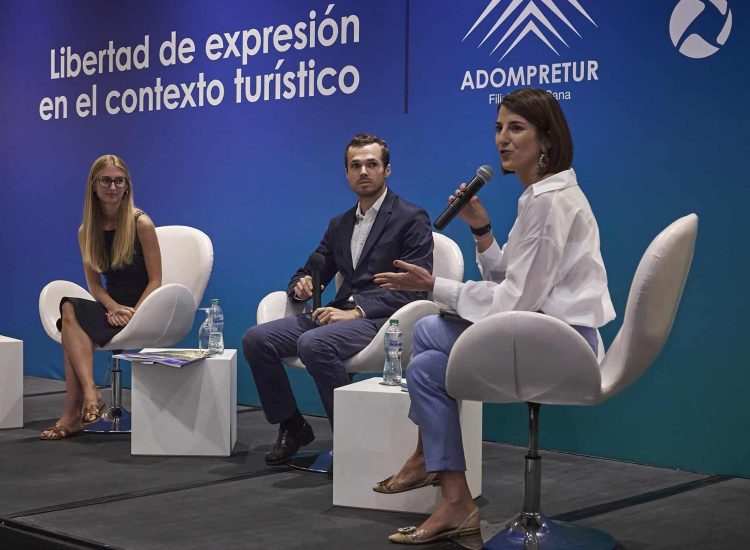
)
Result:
{"points": [[363, 225], [551, 262]]}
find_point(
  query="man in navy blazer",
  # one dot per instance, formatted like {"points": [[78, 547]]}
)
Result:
{"points": [[359, 243]]}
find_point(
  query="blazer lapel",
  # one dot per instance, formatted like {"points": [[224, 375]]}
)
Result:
{"points": [[347, 228], [381, 220]]}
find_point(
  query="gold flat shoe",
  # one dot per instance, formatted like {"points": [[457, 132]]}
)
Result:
{"points": [[413, 535], [431, 478]]}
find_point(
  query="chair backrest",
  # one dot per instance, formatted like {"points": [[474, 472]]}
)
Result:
{"points": [[652, 305], [447, 260], [187, 257]]}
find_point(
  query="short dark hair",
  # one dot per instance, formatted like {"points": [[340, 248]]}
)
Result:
{"points": [[360, 140], [543, 111]]}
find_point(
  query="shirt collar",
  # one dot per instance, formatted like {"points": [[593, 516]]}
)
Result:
{"points": [[561, 180], [375, 207]]}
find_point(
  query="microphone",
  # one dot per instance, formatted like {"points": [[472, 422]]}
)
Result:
{"points": [[316, 261], [484, 174]]}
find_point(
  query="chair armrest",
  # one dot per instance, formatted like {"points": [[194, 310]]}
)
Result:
{"points": [[49, 304], [164, 318], [521, 356], [372, 357], [278, 305]]}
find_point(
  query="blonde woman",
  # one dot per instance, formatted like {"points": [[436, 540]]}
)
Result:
{"points": [[119, 243]]}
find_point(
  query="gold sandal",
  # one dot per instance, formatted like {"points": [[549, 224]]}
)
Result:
{"points": [[383, 486], [414, 535]]}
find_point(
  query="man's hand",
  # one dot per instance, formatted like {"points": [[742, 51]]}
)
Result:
{"points": [[414, 278], [303, 290], [119, 316], [328, 315]]}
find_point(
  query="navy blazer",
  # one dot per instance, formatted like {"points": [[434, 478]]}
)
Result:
{"points": [[401, 232]]}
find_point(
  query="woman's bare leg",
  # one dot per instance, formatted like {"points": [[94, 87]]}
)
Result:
{"points": [[455, 505], [71, 415], [413, 469], [79, 349]]}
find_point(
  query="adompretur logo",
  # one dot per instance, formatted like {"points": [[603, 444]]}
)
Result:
{"points": [[531, 14]]}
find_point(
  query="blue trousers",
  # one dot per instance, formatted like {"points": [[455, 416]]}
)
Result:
{"points": [[432, 409], [321, 348]]}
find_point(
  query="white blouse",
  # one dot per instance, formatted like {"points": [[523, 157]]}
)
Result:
{"points": [[551, 262]]}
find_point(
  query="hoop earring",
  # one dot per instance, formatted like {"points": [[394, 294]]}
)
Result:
{"points": [[543, 160]]}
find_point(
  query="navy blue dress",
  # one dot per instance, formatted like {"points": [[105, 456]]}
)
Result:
{"points": [[125, 285]]}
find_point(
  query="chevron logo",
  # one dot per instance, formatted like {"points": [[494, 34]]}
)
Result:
{"points": [[530, 20]]}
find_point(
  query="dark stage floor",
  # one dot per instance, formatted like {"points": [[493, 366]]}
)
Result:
{"points": [[89, 492]]}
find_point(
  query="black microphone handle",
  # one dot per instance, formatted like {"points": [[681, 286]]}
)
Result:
{"points": [[316, 262], [316, 288], [453, 208]]}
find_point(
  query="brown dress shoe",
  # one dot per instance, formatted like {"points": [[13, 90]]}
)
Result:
{"points": [[288, 444]]}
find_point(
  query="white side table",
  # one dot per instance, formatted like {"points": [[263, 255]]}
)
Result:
{"points": [[11, 383], [372, 439], [189, 410]]}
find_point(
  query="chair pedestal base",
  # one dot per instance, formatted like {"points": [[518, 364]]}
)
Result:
{"points": [[537, 532], [115, 420], [532, 530], [312, 461]]}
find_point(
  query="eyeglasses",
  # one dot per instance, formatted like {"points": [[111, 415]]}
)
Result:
{"points": [[106, 181]]}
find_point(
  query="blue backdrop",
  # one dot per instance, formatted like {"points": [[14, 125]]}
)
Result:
{"points": [[659, 119]]}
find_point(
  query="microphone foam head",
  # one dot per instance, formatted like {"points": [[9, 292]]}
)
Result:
{"points": [[485, 173], [316, 261]]}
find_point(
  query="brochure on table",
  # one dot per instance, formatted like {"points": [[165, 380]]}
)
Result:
{"points": [[171, 358]]}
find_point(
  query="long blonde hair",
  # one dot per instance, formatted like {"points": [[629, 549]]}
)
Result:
{"points": [[92, 233]]}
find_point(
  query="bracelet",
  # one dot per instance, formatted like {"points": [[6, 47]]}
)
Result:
{"points": [[479, 231], [478, 239]]}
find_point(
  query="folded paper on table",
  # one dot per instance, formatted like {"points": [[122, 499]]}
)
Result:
{"points": [[171, 358]]}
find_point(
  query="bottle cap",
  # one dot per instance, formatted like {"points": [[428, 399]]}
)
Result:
{"points": [[215, 301], [393, 322]]}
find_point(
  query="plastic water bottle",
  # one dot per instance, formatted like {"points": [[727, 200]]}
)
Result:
{"points": [[394, 343], [205, 330], [216, 328]]}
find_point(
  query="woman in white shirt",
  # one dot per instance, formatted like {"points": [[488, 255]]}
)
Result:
{"points": [[551, 263]]}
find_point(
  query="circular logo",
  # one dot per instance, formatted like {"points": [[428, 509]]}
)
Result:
{"points": [[694, 45]]}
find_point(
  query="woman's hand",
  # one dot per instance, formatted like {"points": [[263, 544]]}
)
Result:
{"points": [[413, 278], [474, 213], [119, 316]]}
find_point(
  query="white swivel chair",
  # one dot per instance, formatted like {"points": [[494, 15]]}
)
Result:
{"points": [[164, 317], [537, 359], [447, 262]]}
